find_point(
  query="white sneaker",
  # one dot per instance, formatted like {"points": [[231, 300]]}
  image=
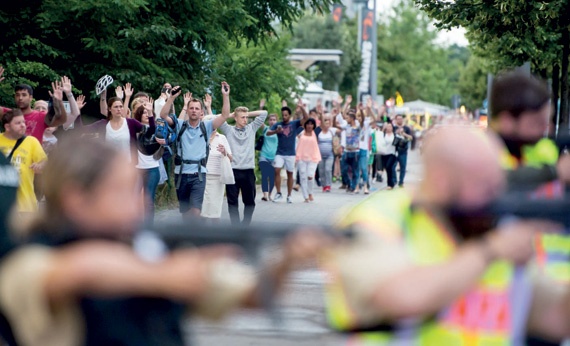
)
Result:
{"points": [[289, 200], [278, 196]]}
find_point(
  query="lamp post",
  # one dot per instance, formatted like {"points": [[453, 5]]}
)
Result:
{"points": [[372, 72]]}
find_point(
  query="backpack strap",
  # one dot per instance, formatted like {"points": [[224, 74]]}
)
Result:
{"points": [[205, 135], [179, 150], [18, 142]]}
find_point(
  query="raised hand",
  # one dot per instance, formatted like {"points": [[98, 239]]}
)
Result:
{"points": [[261, 103], [187, 98], [1, 73], [128, 90], [300, 103], [207, 100], [66, 85], [80, 101], [348, 99], [339, 100], [369, 102], [119, 92], [57, 91], [225, 88], [149, 108], [175, 92]]}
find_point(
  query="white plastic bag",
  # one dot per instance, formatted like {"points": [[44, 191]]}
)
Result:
{"points": [[227, 174]]}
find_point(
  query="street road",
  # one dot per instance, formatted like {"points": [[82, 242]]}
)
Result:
{"points": [[303, 320]]}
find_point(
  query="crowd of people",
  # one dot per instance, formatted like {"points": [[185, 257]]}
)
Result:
{"points": [[214, 159], [422, 267]]}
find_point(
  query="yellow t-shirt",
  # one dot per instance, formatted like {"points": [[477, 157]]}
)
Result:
{"points": [[29, 152]]}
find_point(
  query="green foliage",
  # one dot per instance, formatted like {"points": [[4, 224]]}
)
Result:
{"points": [[145, 42], [509, 32], [473, 83], [321, 31], [409, 60], [256, 72]]}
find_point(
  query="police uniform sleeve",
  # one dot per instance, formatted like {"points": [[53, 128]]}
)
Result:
{"points": [[23, 301]]}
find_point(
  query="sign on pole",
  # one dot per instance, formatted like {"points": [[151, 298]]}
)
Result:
{"points": [[337, 13], [366, 51]]}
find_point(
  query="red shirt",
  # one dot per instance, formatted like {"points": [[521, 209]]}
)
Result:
{"points": [[35, 124]]}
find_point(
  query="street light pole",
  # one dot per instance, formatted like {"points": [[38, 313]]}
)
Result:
{"points": [[374, 65]]}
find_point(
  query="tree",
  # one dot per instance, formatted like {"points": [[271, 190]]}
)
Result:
{"points": [[256, 72], [321, 31], [473, 83], [145, 42], [409, 60], [510, 32]]}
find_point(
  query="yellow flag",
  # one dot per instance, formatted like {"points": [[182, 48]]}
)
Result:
{"points": [[399, 100]]}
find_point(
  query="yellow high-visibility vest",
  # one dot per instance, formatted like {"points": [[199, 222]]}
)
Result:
{"points": [[483, 316]]}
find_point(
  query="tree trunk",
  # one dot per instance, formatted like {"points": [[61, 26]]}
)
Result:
{"points": [[564, 80], [555, 94]]}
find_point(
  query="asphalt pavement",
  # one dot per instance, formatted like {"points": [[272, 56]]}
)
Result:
{"points": [[302, 319]]}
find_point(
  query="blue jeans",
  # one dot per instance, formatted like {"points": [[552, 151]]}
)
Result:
{"points": [[351, 160], [363, 167], [150, 177], [403, 161], [267, 175]]}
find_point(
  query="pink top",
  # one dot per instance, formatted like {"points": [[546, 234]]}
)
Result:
{"points": [[308, 148]]}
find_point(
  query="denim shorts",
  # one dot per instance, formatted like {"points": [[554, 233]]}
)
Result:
{"points": [[191, 191]]}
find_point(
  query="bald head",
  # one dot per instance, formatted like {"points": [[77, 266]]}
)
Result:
{"points": [[41, 106], [462, 167]]}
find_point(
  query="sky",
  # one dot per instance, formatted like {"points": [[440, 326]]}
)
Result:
{"points": [[456, 35]]}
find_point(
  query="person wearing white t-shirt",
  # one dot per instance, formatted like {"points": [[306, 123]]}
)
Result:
{"points": [[325, 135], [148, 165], [388, 151], [214, 192]]}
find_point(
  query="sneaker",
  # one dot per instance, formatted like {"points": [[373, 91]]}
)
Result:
{"points": [[343, 187], [264, 199], [366, 191], [401, 185], [357, 190], [324, 189], [334, 179], [379, 178], [278, 196], [289, 200], [327, 189]]}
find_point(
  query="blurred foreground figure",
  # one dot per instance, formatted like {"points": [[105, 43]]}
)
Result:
{"points": [[77, 283], [427, 270]]}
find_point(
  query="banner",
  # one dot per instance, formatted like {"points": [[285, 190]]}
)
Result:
{"points": [[337, 13], [366, 47]]}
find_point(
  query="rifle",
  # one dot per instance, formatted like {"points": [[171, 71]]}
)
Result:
{"points": [[521, 206], [250, 238]]}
